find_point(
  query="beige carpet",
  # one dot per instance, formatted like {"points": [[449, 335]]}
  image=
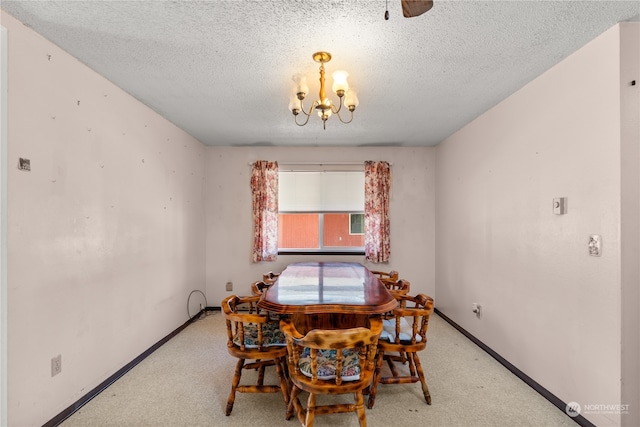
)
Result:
{"points": [[186, 383]]}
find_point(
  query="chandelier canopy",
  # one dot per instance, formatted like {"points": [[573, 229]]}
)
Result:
{"points": [[323, 105]]}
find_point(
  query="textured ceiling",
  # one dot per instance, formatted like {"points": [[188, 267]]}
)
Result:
{"points": [[221, 70]]}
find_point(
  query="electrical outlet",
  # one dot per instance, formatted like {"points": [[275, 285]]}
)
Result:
{"points": [[475, 307], [595, 242], [56, 365], [24, 164], [229, 286]]}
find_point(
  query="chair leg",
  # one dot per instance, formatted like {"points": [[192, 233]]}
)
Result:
{"points": [[261, 375], [423, 382], [283, 382], [376, 379], [311, 410], [392, 366], [285, 368], [294, 405], [234, 386], [412, 364], [362, 417]]}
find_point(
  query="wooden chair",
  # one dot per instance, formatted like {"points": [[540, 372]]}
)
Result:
{"points": [[387, 277], [335, 361], [270, 277], [254, 337], [399, 287], [258, 288], [403, 336]]}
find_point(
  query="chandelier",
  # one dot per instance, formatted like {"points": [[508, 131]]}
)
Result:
{"points": [[323, 105]]}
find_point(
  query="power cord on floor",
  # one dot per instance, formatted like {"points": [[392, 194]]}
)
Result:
{"points": [[203, 310]]}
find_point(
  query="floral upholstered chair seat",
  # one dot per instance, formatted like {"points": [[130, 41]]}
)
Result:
{"points": [[271, 335], [406, 331], [327, 364]]}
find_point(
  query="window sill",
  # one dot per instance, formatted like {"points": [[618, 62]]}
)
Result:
{"points": [[312, 252]]}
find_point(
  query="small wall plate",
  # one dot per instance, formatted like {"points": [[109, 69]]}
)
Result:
{"points": [[24, 164], [560, 205], [595, 245]]}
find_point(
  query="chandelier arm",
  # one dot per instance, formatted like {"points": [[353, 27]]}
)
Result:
{"points": [[345, 122], [304, 123], [310, 109], [313, 106], [336, 110]]}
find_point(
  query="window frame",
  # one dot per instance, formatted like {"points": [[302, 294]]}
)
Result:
{"points": [[325, 250], [351, 232]]}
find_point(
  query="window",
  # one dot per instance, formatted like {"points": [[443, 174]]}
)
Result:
{"points": [[320, 210], [356, 223]]}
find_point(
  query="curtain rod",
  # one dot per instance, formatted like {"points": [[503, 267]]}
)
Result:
{"points": [[320, 163]]}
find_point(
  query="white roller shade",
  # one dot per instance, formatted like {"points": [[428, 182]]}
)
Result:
{"points": [[321, 191]]}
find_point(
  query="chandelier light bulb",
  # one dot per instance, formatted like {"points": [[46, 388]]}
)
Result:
{"points": [[300, 84], [295, 104], [340, 84], [351, 99], [325, 114]]}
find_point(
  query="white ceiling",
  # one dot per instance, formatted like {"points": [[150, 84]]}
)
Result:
{"points": [[221, 69]]}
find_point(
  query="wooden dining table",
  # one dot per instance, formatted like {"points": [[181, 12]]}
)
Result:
{"points": [[328, 295]]}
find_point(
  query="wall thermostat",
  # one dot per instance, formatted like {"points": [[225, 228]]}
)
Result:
{"points": [[560, 205]]}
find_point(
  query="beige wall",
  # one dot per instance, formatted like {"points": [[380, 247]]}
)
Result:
{"points": [[229, 229], [3, 226], [547, 306], [105, 232], [630, 224]]}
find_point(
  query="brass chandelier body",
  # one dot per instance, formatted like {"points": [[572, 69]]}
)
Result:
{"points": [[323, 105]]}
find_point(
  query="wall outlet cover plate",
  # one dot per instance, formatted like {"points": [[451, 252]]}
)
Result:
{"points": [[595, 245]]}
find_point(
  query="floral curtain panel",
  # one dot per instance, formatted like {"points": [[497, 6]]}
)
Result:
{"points": [[264, 187], [377, 184]]}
